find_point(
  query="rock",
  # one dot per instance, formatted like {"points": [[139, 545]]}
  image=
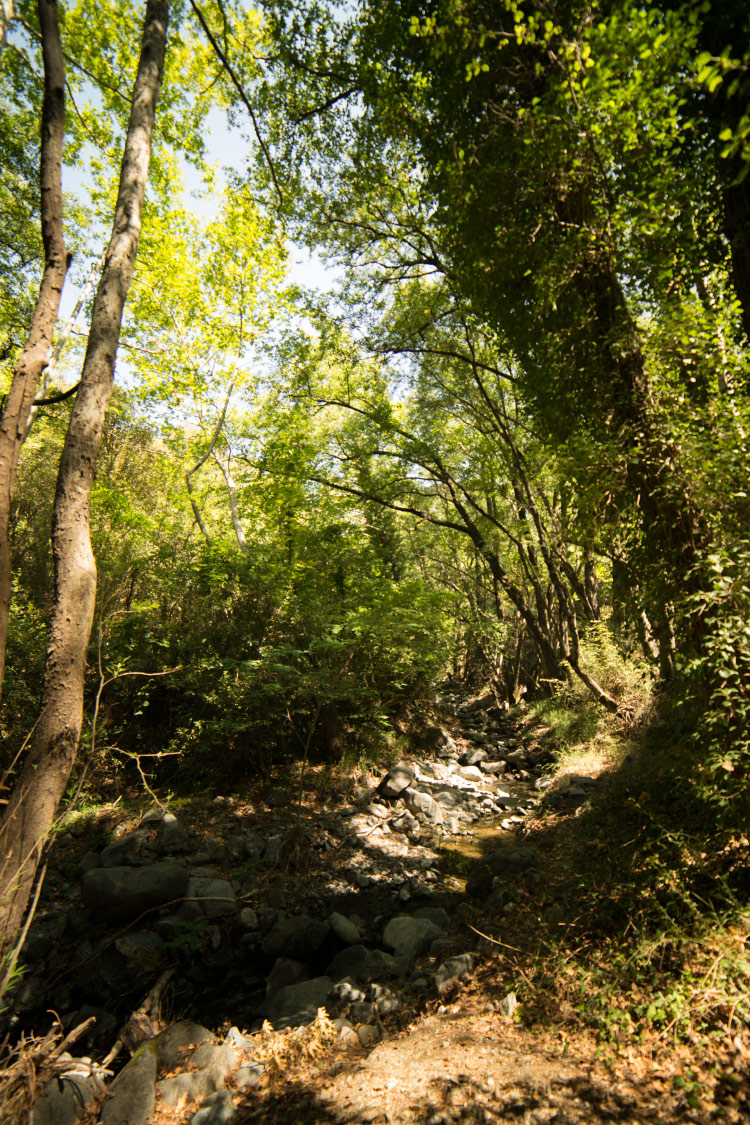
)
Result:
{"points": [[396, 780], [177, 1041], [298, 1003], [248, 918], [474, 757], [213, 1062], [360, 964], [125, 892], [254, 845], [116, 853], [143, 952], [295, 936], [471, 773], [216, 1110], [512, 860], [273, 849], [215, 897], [517, 759], [423, 804], [60, 1103], [449, 798], [285, 971], [436, 738], [453, 970], [368, 1035], [494, 769], [172, 835], [408, 936], [436, 914], [88, 862], [344, 928], [508, 1005], [133, 1091], [247, 1076]]}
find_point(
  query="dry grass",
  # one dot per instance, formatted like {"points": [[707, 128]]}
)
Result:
{"points": [[30, 1065]]}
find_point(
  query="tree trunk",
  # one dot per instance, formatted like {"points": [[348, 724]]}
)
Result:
{"points": [[37, 793], [28, 371]]}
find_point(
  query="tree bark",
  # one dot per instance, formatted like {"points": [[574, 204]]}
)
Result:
{"points": [[28, 370], [33, 803]]}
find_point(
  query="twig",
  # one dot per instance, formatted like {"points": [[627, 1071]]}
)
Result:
{"points": [[240, 90], [493, 940]]}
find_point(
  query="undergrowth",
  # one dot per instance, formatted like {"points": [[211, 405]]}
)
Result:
{"points": [[652, 941]]}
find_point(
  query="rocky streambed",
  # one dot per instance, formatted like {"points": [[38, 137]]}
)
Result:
{"points": [[264, 919]]}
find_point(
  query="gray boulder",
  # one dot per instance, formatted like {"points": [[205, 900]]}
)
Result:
{"points": [[473, 757], [121, 893], [344, 928], [60, 1103], [298, 1003], [360, 964], [423, 804], [213, 1062], [172, 836], [178, 1040], [396, 780], [133, 1091], [295, 936], [408, 936], [215, 897], [471, 773], [452, 970], [285, 971], [119, 851]]}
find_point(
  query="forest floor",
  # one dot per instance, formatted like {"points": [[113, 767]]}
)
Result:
{"points": [[560, 1020]]}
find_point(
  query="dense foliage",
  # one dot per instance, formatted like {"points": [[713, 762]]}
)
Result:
{"points": [[513, 437]]}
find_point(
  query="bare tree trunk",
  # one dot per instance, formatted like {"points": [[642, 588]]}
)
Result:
{"points": [[201, 462], [28, 371], [35, 798], [239, 531]]}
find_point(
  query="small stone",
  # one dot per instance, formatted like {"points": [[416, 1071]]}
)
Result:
{"points": [[508, 1005]]}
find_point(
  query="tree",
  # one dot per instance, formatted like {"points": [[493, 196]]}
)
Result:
{"points": [[28, 369], [33, 803]]}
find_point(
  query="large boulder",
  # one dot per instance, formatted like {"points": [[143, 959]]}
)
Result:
{"points": [[298, 1003], [214, 896], [133, 1091], [408, 936], [295, 936], [360, 964], [396, 780], [121, 893], [423, 805], [178, 1040]]}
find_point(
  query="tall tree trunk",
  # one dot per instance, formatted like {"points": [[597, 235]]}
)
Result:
{"points": [[42, 781], [28, 371]]}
